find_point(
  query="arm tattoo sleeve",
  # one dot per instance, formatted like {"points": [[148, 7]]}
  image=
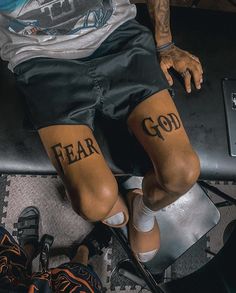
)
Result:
{"points": [[160, 14]]}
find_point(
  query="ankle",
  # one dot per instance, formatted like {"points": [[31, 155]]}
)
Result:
{"points": [[30, 250], [143, 217], [82, 249], [82, 255]]}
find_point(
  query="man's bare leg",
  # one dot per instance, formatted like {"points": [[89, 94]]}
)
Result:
{"points": [[82, 255], [79, 161], [158, 127]]}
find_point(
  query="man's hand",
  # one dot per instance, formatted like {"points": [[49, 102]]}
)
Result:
{"points": [[186, 64]]}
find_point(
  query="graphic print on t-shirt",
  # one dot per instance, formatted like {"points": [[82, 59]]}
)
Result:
{"points": [[57, 17]]}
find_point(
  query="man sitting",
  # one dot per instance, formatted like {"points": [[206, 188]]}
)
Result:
{"points": [[76, 60]]}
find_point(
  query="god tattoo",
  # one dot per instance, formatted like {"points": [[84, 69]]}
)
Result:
{"points": [[163, 123], [73, 153]]}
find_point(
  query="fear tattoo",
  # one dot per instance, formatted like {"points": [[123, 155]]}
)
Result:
{"points": [[73, 153], [163, 123]]}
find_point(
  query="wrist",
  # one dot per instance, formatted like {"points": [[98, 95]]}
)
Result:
{"points": [[165, 47], [162, 40]]}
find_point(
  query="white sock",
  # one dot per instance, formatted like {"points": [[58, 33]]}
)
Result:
{"points": [[143, 220], [143, 217], [117, 219]]}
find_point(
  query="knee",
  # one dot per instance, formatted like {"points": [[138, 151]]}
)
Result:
{"points": [[179, 173], [94, 204]]}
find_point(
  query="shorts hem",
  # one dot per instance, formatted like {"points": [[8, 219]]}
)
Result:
{"points": [[62, 124], [170, 90]]}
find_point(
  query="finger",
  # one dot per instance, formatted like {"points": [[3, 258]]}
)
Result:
{"points": [[167, 75], [187, 81], [194, 58], [197, 77], [199, 67], [197, 72], [197, 60], [166, 61]]}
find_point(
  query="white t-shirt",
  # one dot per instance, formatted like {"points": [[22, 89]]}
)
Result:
{"points": [[68, 29]]}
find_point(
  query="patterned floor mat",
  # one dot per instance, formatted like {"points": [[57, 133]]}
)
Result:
{"points": [[58, 219]]}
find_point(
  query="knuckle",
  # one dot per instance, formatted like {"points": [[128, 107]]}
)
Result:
{"points": [[188, 75], [198, 66]]}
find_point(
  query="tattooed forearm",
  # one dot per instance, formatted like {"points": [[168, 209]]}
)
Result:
{"points": [[160, 13], [73, 153], [162, 124]]}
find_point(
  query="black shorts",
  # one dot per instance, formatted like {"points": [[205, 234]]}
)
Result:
{"points": [[120, 74]]}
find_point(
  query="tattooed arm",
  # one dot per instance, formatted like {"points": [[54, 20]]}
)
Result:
{"points": [[160, 14], [186, 64]]}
